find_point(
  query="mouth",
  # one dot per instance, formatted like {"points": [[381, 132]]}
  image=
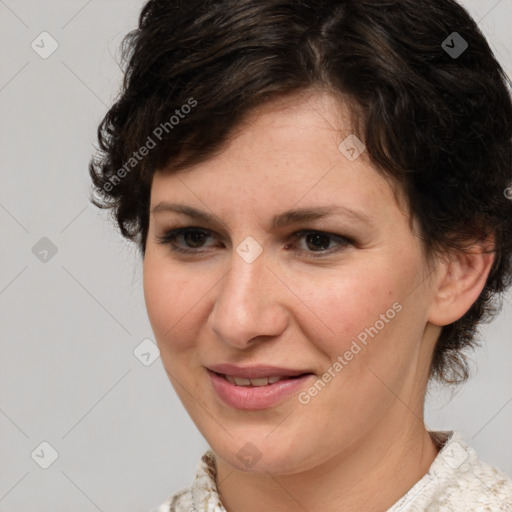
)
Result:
{"points": [[257, 387], [258, 382]]}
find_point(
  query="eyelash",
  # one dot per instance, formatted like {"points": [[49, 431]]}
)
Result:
{"points": [[170, 236]]}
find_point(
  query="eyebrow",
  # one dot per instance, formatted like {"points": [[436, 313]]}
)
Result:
{"points": [[279, 221]]}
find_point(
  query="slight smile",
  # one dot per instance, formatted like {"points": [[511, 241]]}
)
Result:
{"points": [[257, 387]]}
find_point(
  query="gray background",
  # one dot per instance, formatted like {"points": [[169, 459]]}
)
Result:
{"points": [[70, 324]]}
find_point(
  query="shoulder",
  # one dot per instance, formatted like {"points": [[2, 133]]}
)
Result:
{"points": [[469, 479], [201, 495], [458, 481], [181, 501], [481, 486]]}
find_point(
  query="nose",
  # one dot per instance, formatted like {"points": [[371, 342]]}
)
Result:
{"points": [[249, 304]]}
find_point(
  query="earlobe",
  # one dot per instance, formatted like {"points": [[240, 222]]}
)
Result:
{"points": [[461, 279]]}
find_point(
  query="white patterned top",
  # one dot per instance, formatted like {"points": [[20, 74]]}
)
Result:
{"points": [[457, 481]]}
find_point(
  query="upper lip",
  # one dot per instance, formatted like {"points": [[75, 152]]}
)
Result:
{"points": [[254, 372]]}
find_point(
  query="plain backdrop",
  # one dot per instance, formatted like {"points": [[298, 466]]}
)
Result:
{"points": [[74, 396]]}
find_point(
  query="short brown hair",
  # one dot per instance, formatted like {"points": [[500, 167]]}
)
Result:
{"points": [[432, 106]]}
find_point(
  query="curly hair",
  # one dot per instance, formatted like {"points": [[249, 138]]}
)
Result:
{"points": [[429, 98]]}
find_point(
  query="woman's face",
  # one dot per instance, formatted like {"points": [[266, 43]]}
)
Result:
{"points": [[343, 296]]}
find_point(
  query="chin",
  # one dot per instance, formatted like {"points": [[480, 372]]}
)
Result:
{"points": [[272, 456]]}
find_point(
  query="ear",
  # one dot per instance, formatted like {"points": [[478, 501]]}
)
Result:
{"points": [[461, 278]]}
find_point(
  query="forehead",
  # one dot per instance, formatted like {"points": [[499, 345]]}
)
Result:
{"points": [[291, 150]]}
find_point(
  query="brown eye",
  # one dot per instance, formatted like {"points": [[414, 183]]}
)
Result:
{"points": [[185, 240], [318, 241], [194, 238]]}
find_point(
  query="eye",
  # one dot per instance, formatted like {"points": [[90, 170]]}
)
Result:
{"points": [[191, 240], [194, 238], [319, 242]]}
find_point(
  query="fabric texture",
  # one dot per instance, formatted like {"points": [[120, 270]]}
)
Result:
{"points": [[457, 481]]}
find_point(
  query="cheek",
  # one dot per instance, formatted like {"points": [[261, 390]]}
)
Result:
{"points": [[170, 301], [365, 313], [342, 305]]}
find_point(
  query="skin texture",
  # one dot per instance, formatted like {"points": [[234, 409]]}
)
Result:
{"points": [[361, 442]]}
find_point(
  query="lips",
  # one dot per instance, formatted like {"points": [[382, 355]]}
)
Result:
{"points": [[260, 392]]}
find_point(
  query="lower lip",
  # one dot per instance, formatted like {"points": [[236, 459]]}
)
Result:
{"points": [[256, 397]]}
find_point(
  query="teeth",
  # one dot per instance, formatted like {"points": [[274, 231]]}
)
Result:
{"points": [[240, 381], [230, 379], [263, 381]]}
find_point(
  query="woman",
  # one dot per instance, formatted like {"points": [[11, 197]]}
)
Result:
{"points": [[319, 192]]}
